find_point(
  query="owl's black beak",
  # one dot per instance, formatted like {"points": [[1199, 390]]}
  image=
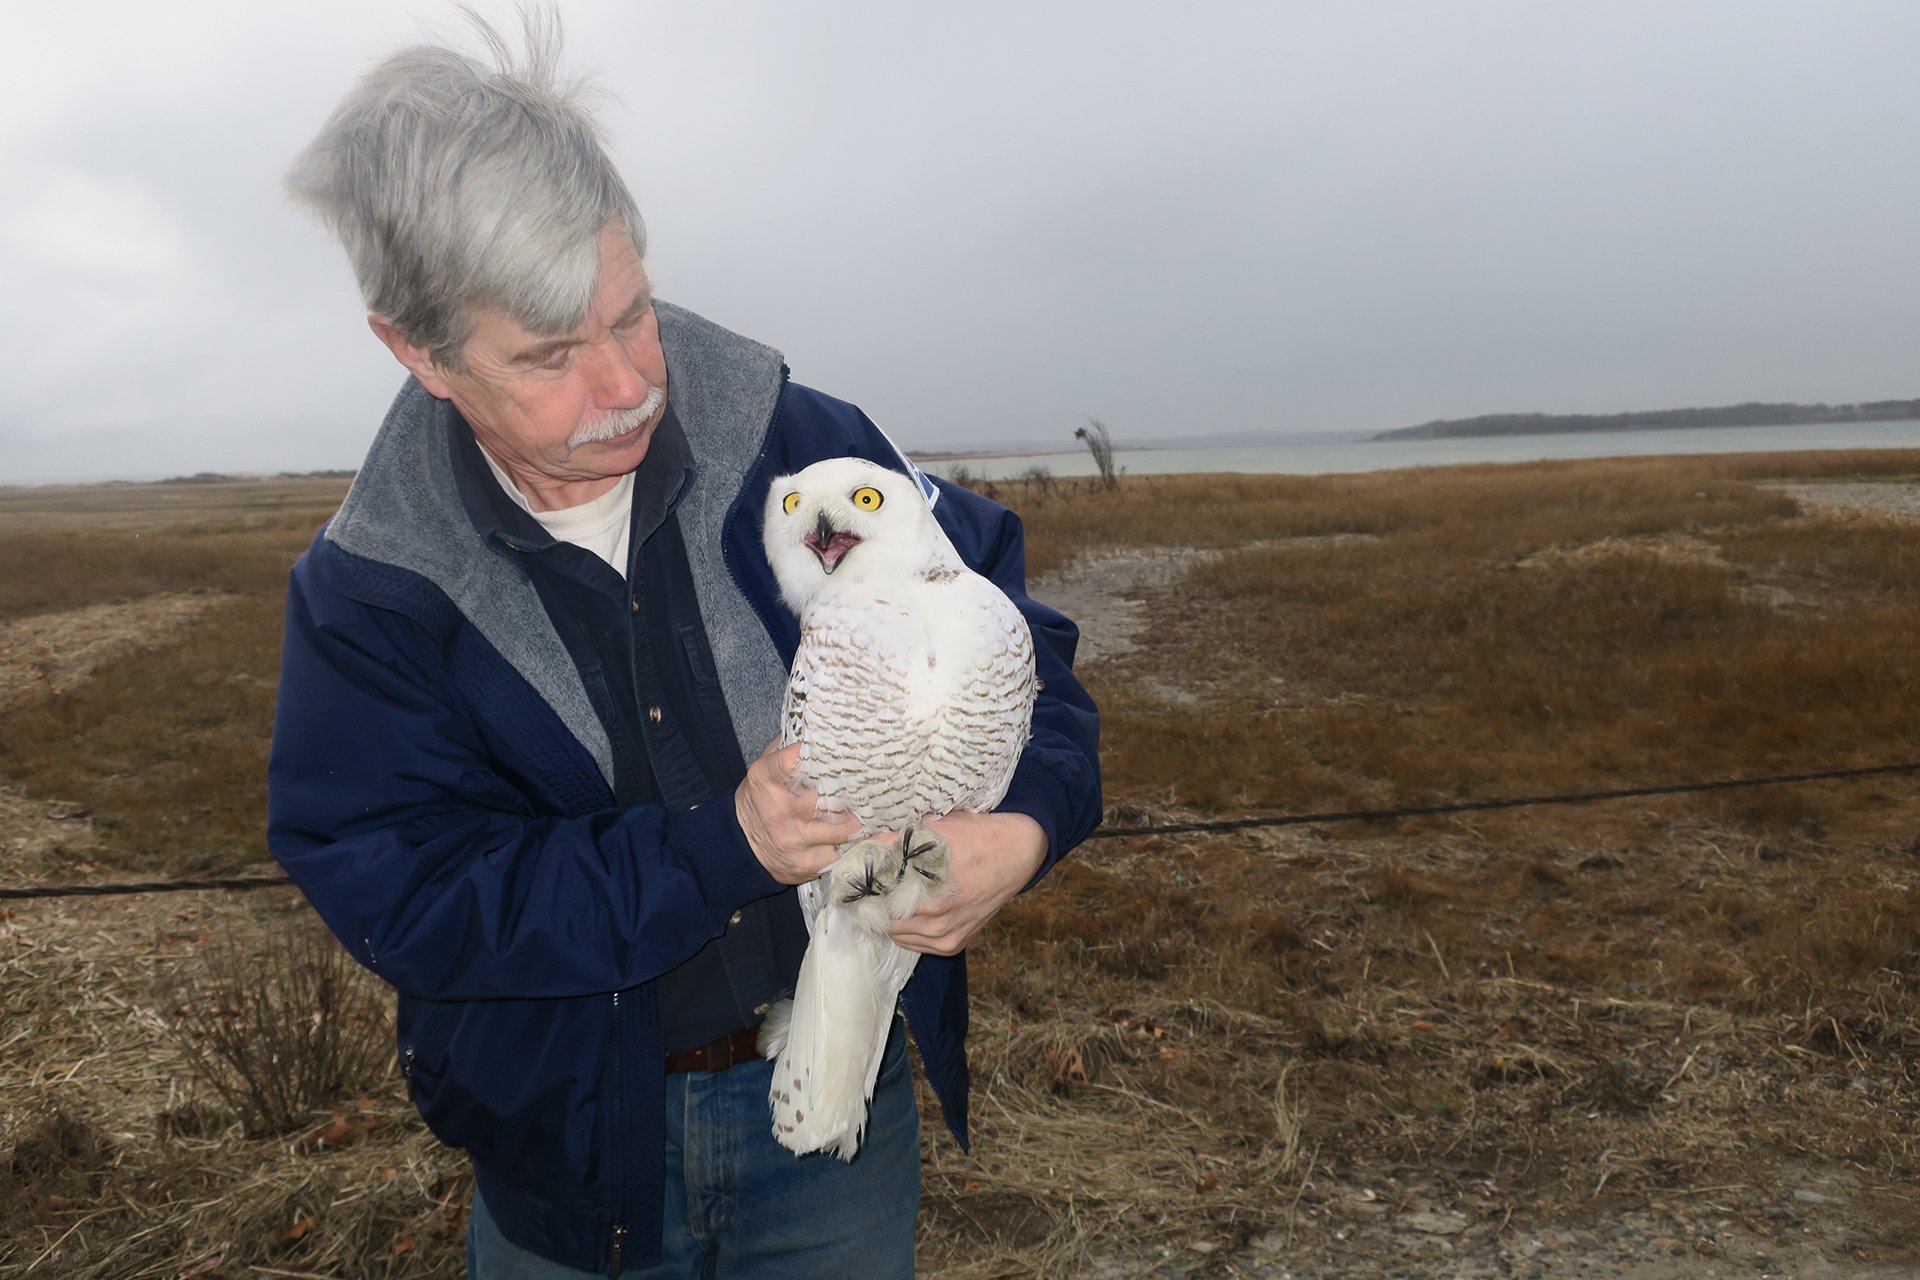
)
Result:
{"points": [[829, 543]]}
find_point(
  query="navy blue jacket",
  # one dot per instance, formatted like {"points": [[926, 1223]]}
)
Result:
{"points": [[440, 789]]}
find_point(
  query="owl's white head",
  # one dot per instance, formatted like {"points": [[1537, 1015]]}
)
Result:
{"points": [[850, 522]]}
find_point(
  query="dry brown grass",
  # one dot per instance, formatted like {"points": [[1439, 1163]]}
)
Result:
{"points": [[117, 1161], [165, 747], [1580, 1007], [1520, 630], [65, 547], [1201, 1039]]}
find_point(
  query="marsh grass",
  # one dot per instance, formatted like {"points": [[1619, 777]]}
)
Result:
{"points": [[61, 548], [166, 749], [1516, 630], [1203, 1038]]}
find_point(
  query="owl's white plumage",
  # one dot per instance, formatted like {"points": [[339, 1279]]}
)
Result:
{"points": [[911, 696]]}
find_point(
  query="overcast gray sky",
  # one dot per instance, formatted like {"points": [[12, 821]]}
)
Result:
{"points": [[984, 221]]}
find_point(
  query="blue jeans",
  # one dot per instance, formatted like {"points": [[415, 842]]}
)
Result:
{"points": [[742, 1207]]}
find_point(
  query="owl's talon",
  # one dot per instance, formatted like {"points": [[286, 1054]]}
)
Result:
{"points": [[928, 856], [924, 852], [865, 874]]}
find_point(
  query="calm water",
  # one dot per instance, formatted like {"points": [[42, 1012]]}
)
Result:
{"points": [[1323, 458]]}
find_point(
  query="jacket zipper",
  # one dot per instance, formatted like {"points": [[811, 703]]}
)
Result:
{"points": [[616, 1166], [618, 1241]]}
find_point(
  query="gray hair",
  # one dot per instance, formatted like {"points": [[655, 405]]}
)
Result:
{"points": [[453, 185]]}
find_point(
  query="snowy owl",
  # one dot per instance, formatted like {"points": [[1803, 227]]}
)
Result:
{"points": [[911, 696]]}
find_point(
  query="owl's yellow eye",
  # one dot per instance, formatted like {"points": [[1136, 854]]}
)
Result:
{"points": [[790, 503], [867, 498]]}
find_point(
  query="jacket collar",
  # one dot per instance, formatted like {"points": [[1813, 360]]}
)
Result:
{"points": [[406, 509], [658, 483]]}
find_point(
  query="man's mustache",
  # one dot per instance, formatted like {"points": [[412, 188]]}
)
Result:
{"points": [[618, 424]]}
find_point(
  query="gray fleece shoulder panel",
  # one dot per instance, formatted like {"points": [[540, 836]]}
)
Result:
{"points": [[724, 388], [405, 510]]}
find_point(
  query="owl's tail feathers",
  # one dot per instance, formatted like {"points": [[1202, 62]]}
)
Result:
{"points": [[834, 1035], [773, 1030]]}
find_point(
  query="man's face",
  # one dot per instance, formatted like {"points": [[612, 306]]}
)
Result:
{"points": [[566, 416]]}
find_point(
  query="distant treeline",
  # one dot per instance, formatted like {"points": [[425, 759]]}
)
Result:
{"points": [[223, 477], [1734, 415]]}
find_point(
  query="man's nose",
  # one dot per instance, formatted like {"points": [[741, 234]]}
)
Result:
{"points": [[615, 379]]}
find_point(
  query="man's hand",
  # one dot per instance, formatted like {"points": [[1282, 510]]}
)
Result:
{"points": [[993, 855], [794, 841]]}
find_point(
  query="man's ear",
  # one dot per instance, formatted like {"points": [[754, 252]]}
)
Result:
{"points": [[418, 360]]}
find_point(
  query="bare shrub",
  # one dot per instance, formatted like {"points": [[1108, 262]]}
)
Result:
{"points": [[1039, 480], [1100, 445], [281, 1030]]}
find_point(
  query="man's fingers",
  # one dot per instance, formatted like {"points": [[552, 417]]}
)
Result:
{"points": [[831, 830], [932, 944]]}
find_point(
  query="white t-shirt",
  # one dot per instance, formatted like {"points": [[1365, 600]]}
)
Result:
{"points": [[601, 525]]}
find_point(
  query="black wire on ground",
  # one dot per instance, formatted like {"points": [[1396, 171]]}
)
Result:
{"points": [[155, 886], [1520, 802], [1162, 829]]}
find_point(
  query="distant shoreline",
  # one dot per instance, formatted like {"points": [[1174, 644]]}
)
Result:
{"points": [[1752, 414], [197, 479], [963, 455]]}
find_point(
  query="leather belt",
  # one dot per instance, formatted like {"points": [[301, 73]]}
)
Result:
{"points": [[717, 1055]]}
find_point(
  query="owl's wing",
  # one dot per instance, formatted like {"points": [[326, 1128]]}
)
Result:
{"points": [[986, 715], [849, 708], [793, 723], [799, 683]]}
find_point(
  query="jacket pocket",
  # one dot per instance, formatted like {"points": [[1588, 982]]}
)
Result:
{"points": [[420, 1034], [699, 655], [515, 1083]]}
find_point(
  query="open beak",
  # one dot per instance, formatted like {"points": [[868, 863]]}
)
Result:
{"points": [[829, 543]]}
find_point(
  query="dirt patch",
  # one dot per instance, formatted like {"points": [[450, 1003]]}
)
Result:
{"points": [[1110, 595], [1666, 548], [1670, 548], [1886, 500], [1102, 592], [51, 651]]}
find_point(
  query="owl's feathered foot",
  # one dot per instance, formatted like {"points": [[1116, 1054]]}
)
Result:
{"points": [[879, 883], [827, 1042], [924, 858]]}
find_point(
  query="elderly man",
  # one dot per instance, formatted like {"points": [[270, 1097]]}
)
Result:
{"points": [[530, 669]]}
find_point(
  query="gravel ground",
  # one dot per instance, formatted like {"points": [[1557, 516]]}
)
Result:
{"points": [[1895, 498], [1817, 1227]]}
